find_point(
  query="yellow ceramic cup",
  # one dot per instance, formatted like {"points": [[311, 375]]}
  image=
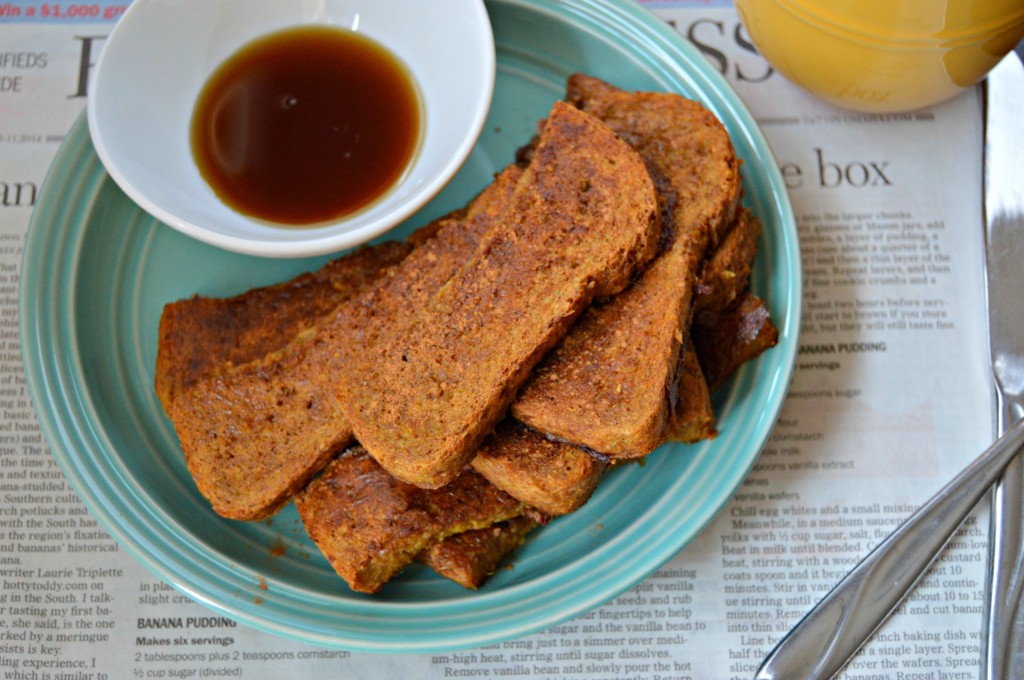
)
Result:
{"points": [[883, 55]]}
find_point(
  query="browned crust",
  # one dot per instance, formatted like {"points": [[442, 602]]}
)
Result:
{"points": [[370, 525], [606, 386], [582, 220]]}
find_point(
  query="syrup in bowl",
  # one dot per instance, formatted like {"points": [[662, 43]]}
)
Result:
{"points": [[306, 125]]}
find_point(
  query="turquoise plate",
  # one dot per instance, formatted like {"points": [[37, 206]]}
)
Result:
{"points": [[97, 271]]}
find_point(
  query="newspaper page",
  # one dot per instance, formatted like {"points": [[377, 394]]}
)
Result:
{"points": [[890, 398]]}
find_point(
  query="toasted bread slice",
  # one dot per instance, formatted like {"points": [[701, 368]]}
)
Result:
{"points": [[725, 276], [552, 476], [207, 345], [726, 273], [743, 332], [255, 433], [581, 221], [369, 525], [693, 418], [470, 558], [609, 385], [202, 336], [634, 116]]}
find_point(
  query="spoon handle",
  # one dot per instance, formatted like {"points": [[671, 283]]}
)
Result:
{"points": [[824, 640]]}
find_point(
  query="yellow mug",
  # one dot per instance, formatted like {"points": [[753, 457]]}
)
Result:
{"points": [[883, 55]]}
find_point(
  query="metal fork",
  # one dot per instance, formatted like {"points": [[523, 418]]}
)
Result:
{"points": [[1003, 648]]}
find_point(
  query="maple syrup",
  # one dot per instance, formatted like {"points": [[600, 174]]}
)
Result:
{"points": [[306, 125]]}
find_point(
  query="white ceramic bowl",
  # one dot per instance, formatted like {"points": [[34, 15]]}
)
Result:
{"points": [[161, 52]]}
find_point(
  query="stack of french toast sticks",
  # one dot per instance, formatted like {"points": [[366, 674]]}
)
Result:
{"points": [[438, 398]]}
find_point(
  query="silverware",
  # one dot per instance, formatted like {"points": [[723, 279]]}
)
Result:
{"points": [[824, 640], [1003, 648]]}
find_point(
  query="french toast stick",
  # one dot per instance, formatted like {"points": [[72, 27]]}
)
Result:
{"points": [[471, 557], [610, 385], [726, 273], [552, 476], [369, 525], [255, 433], [725, 277], [581, 221], [693, 418], [200, 336], [743, 331], [631, 115]]}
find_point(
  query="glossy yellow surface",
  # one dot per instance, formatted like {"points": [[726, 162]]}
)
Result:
{"points": [[883, 55]]}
